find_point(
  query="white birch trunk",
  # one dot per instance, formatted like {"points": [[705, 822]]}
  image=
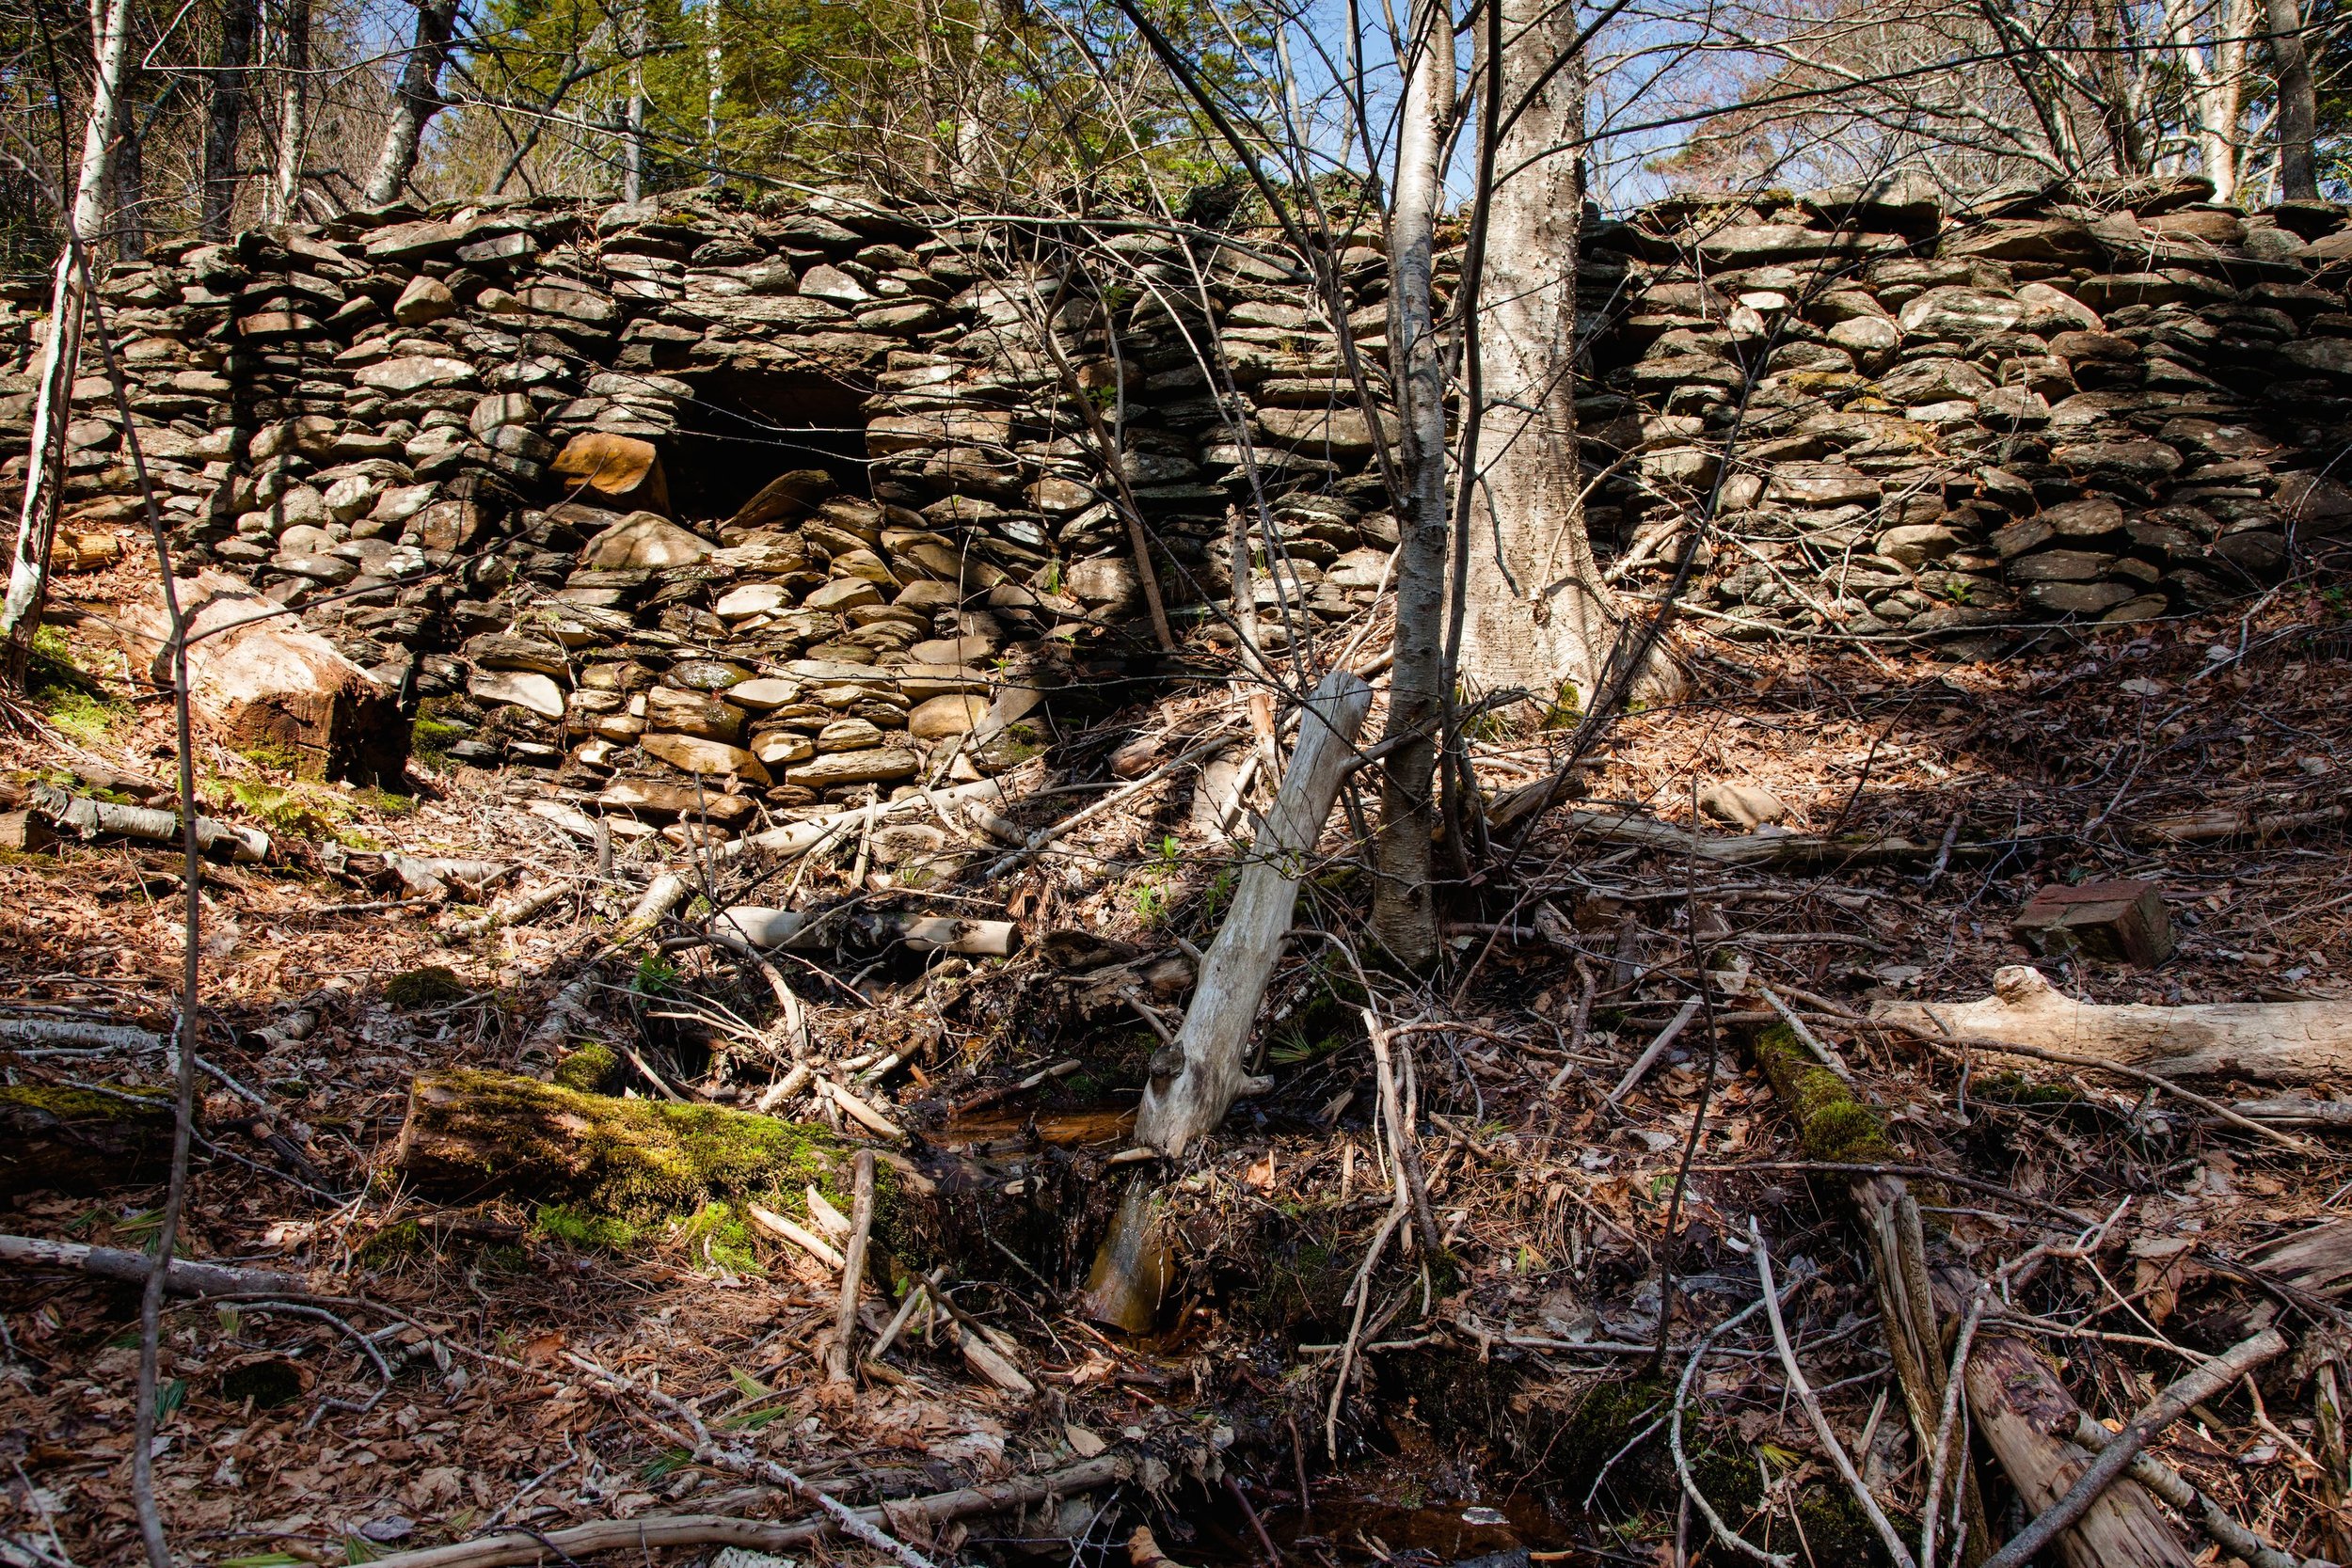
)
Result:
{"points": [[1404, 916], [52, 397]]}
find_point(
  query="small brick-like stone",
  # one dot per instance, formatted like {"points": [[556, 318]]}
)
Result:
{"points": [[2123, 921]]}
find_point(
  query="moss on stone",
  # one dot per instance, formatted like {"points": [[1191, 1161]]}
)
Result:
{"points": [[1832, 1124], [591, 1069], [434, 986], [401, 1239]]}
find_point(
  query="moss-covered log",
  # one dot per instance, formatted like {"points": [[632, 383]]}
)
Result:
{"points": [[472, 1134], [2022, 1409], [77, 1141]]}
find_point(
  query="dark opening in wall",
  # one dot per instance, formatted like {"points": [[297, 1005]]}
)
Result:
{"points": [[743, 429]]}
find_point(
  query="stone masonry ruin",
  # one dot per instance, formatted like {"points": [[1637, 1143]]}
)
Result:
{"points": [[781, 499]]}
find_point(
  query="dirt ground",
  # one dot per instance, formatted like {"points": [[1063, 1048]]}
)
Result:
{"points": [[1506, 1388]]}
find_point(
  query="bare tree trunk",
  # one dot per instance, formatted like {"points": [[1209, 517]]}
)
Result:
{"points": [[417, 100], [2217, 86], [293, 114], [2298, 102], [1404, 914], [633, 147], [2116, 108], [29, 572], [714, 68], [224, 117], [1536, 612], [130, 181]]}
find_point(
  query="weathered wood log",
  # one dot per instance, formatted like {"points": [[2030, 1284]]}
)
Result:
{"points": [[183, 1278], [1752, 849], [74, 1141], [89, 819], [1188, 1103], [754, 928], [473, 1133], [2271, 1042], [2024, 1412], [269, 685]]}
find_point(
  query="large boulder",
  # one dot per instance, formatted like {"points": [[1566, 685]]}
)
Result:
{"points": [[616, 469], [644, 539]]}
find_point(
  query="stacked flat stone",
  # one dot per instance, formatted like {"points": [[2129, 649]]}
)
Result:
{"points": [[2104, 403], [450, 436], [442, 434]]}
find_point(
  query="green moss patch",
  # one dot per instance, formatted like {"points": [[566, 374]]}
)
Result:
{"points": [[1832, 1124], [594, 1068], [592, 1159], [434, 986]]}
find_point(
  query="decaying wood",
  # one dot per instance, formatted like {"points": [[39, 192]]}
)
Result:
{"points": [[471, 1134], [2020, 1406], [75, 1141], [2090, 1487], [1187, 1103], [2271, 1042], [753, 927], [89, 818], [267, 684], [517, 1548], [2174, 1488], [838, 1360], [1791, 850], [184, 1279]]}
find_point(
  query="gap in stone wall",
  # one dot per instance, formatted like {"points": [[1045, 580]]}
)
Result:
{"points": [[743, 430]]}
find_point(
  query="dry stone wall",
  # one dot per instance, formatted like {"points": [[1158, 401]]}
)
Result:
{"points": [[706, 509], [2109, 403]]}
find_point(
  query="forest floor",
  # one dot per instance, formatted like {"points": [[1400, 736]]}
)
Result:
{"points": [[457, 1366]]}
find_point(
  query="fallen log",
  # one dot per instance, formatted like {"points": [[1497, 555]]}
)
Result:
{"points": [[183, 1278], [2270, 1041], [271, 687], [2116, 1456], [518, 1548], [76, 1141], [2020, 1406], [88, 818], [1752, 849], [1189, 1101], [473, 1133], [754, 928]]}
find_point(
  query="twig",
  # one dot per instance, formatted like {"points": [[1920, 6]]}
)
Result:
{"points": [[1957, 1044], [1946, 1422], [799, 1236], [852, 1271], [2174, 1488], [191, 936], [1723, 1532], [2167, 1407], [850, 1522], [1812, 1403], [1392, 1117], [1046, 835], [1805, 1037], [1656, 1049]]}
